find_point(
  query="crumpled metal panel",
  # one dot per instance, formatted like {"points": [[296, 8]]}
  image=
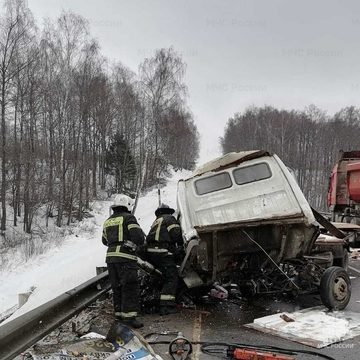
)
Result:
{"points": [[230, 159]]}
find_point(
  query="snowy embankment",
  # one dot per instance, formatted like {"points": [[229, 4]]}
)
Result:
{"points": [[75, 261]]}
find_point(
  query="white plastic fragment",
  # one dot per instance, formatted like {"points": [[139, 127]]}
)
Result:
{"points": [[316, 326]]}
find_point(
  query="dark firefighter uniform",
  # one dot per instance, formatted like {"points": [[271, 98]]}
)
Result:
{"points": [[122, 235], [163, 242]]}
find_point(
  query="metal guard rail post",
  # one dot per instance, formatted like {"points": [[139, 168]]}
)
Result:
{"points": [[24, 331]]}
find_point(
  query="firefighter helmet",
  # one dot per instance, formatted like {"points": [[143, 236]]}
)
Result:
{"points": [[124, 201], [164, 209]]}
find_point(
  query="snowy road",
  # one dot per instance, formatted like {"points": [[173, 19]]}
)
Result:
{"points": [[224, 323]]}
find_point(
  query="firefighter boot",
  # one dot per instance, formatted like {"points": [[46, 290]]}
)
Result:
{"points": [[132, 322]]}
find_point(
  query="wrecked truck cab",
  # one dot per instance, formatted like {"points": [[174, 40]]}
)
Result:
{"points": [[245, 220]]}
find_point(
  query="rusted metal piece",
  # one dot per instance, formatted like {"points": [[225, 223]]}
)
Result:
{"points": [[230, 160], [24, 331], [333, 230], [287, 318], [329, 240], [344, 226]]}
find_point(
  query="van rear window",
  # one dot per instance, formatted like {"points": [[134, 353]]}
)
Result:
{"points": [[213, 183], [252, 173]]}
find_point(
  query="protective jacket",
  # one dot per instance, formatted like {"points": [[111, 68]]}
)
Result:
{"points": [[122, 235], [164, 241], [165, 234]]}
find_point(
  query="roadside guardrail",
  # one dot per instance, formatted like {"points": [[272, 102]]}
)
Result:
{"points": [[24, 331]]}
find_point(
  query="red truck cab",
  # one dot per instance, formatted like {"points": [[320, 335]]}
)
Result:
{"points": [[344, 188]]}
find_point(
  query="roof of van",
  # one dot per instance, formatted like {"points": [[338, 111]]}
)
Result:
{"points": [[229, 160]]}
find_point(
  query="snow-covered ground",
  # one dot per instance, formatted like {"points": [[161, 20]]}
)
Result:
{"points": [[75, 261]]}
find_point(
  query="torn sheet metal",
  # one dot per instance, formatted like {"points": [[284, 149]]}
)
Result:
{"points": [[317, 327], [129, 345]]}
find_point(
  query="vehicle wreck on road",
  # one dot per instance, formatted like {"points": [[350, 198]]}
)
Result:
{"points": [[246, 221]]}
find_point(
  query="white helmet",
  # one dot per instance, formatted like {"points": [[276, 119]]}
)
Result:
{"points": [[123, 200]]}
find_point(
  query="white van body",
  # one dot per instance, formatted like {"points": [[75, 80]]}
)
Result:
{"points": [[239, 203]]}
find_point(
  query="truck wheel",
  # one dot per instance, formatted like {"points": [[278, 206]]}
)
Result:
{"points": [[343, 261], [335, 288]]}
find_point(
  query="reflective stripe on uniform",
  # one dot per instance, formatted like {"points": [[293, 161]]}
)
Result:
{"points": [[120, 254], [133, 226], [121, 229], [170, 227], [157, 234], [125, 315], [113, 221], [130, 245], [167, 297], [104, 234], [118, 221], [155, 250]]}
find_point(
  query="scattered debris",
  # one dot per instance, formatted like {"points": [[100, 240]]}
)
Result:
{"points": [[93, 335], [126, 344], [316, 327], [355, 254], [219, 292], [287, 318]]}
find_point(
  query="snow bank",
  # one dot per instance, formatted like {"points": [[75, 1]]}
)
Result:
{"points": [[59, 269], [75, 261]]}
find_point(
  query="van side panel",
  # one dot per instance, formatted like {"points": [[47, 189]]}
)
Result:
{"points": [[259, 200]]}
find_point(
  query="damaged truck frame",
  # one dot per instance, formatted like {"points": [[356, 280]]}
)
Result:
{"points": [[246, 221]]}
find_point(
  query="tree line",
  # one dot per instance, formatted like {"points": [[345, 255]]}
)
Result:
{"points": [[307, 140], [72, 123]]}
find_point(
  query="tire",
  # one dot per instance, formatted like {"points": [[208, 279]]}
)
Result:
{"points": [[335, 288]]}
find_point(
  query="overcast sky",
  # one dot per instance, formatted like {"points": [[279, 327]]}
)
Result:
{"points": [[238, 52]]}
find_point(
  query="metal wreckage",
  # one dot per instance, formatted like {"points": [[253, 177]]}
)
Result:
{"points": [[249, 230], [245, 221]]}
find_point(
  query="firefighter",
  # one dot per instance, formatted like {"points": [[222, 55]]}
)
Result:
{"points": [[123, 236], [164, 242]]}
